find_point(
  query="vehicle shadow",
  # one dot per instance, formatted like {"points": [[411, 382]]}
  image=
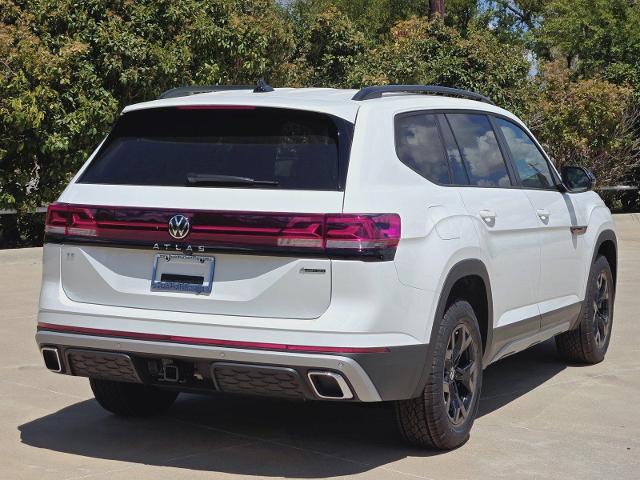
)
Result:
{"points": [[514, 376], [249, 436]]}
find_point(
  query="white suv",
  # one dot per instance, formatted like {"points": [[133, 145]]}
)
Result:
{"points": [[373, 245]]}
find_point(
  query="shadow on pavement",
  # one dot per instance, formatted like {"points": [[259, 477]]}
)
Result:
{"points": [[248, 436], [517, 375]]}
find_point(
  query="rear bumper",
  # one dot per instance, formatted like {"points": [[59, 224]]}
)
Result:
{"points": [[370, 377]]}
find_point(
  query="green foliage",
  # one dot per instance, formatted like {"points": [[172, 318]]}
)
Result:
{"points": [[333, 53], [424, 52], [69, 67], [513, 20], [374, 18], [329, 48], [589, 122], [52, 108], [460, 14], [597, 37]]}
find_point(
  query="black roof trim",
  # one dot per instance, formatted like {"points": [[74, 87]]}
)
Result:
{"points": [[196, 89], [368, 93], [262, 87]]}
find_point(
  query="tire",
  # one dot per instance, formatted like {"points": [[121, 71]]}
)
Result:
{"points": [[589, 341], [131, 399], [432, 420]]}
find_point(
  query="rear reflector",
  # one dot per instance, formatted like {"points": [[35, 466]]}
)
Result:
{"points": [[206, 341], [372, 236]]}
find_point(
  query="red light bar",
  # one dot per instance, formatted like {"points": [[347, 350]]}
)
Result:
{"points": [[356, 235], [206, 341]]}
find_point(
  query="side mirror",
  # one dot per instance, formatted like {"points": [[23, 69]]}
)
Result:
{"points": [[577, 179]]}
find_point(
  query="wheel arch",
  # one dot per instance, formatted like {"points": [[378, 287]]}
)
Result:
{"points": [[464, 274], [607, 245]]}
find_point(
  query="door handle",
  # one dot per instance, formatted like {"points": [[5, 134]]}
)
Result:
{"points": [[488, 216], [544, 214]]}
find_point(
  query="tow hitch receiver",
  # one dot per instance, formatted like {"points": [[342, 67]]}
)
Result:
{"points": [[164, 370], [169, 373]]}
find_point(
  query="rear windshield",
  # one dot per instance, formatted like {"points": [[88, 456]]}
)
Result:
{"points": [[224, 147]]}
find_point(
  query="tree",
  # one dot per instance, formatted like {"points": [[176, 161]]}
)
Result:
{"points": [[460, 14], [595, 37], [373, 18], [436, 9], [589, 122], [525, 14], [67, 68], [429, 52], [329, 47]]}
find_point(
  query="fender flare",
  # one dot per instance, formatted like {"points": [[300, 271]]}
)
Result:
{"points": [[603, 236], [464, 268], [607, 235]]}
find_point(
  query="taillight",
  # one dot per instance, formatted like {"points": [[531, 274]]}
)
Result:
{"points": [[370, 236], [57, 219], [367, 235], [70, 220]]}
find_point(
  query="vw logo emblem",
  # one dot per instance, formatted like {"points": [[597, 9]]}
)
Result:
{"points": [[179, 227]]}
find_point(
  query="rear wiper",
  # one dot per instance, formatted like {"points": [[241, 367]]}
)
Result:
{"points": [[198, 179]]}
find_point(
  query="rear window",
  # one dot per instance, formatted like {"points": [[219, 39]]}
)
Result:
{"points": [[224, 147]]}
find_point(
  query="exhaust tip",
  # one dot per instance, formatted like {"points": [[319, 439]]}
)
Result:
{"points": [[330, 385], [51, 358]]}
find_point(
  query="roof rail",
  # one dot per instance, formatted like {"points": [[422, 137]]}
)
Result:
{"points": [[368, 93], [196, 89]]}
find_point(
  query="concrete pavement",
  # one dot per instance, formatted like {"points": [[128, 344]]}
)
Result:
{"points": [[540, 418]]}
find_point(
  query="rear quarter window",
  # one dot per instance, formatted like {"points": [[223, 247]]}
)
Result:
{"points": [[279, 148], [419, 146]]}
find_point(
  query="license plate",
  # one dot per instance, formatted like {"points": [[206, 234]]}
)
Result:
{"points": [[182, 273]]}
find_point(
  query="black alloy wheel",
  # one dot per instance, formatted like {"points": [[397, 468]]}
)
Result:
{"points": [[460, 374], [443, 414], [589, 341], [601, 311]]}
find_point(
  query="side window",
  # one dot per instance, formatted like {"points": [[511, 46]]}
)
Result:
{"points": [[458, 171], [532, 167], [480, 150], [419, 146]]}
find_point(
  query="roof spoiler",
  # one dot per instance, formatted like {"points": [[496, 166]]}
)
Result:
{"points": [[261, 87], [368, 93]]}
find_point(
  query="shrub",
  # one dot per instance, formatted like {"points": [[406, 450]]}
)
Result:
{"points": [[329, 47], [429, 52], [589, 122], [69, 67]]}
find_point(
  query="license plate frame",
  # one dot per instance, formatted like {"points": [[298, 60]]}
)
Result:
{"points": [[179, 265]]}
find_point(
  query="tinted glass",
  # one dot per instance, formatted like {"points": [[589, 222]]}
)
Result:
{"points": [[480, 150], [280, 148], [458, 170], [532, 167], [419, 146]]}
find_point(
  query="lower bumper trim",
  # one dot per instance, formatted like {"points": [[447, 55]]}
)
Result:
{"points": [[372, 377], [207, 341], [360, 383], [103, 365]]}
